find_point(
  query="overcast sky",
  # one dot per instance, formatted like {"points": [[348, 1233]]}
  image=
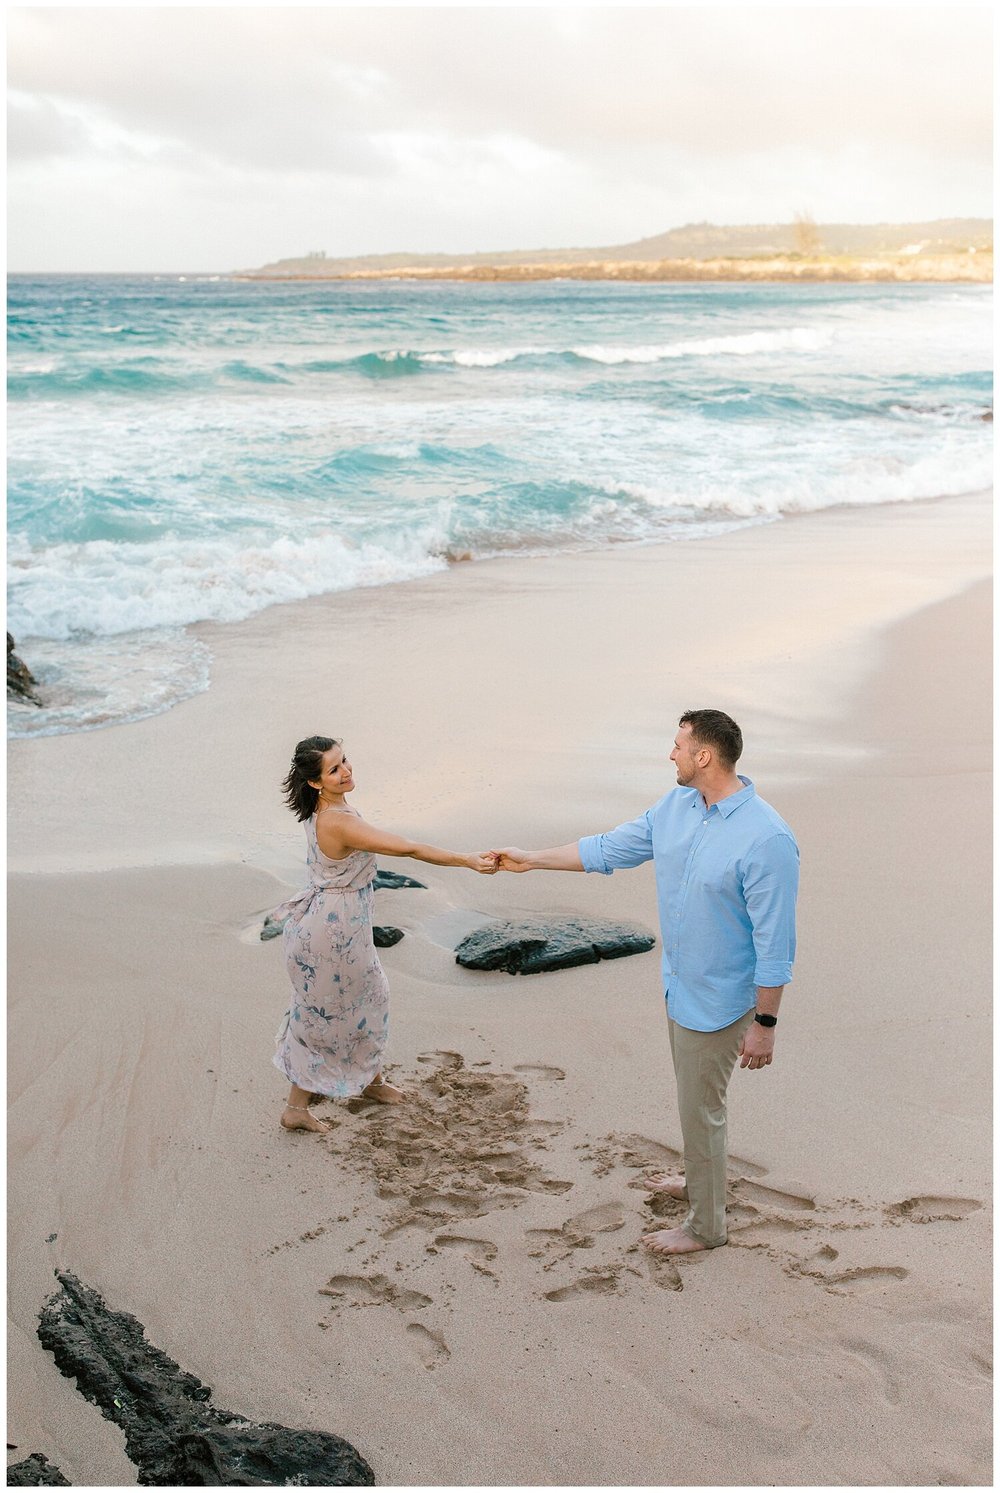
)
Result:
{"points": [[215, 138]]}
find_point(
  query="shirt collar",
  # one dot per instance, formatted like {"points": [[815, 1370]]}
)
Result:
{"points": [[727, 806]]}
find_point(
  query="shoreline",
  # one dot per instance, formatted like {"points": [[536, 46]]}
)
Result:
{"points": [[829, 612], [526, 703], [452, 562]]}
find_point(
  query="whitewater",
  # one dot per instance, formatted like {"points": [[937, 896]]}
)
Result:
{"points": [[198, 449]]}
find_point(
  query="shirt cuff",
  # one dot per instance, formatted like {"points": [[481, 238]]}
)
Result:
{"points": [[592, 856], [772, 972]]}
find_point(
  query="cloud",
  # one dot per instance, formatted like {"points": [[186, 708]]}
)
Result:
{"points": [[598, 123], [38, 130]]}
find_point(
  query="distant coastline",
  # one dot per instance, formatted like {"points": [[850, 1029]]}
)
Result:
{"points": [[971, 268], [945, 249]]}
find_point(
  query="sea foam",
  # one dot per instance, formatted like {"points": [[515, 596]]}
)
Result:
{"points": [[190, 450]]}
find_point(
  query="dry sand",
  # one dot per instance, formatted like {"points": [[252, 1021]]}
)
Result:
{"points": [[455, 1286]]}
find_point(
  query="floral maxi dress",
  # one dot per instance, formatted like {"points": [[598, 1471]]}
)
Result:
{"points": [[334, 1032]]}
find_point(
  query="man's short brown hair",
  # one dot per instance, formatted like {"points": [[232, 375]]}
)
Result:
{"points": [[715, 729]]}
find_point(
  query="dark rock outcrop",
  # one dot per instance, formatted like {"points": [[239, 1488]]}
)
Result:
{"points": [[35, 1472], [20, 680], [173, 1433], [532, 945], [273, 927], [393, 879], [386, 937]]}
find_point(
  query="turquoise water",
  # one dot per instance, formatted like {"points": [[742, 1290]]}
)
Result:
{"points": [[192, 449]]}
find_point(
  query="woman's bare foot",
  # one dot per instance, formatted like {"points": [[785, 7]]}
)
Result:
{"points": [[674, 1187], [298, 1117], [382, 1092], [672, 1242]]}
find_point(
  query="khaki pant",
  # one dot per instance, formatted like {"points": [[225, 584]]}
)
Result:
{"points": [[703, 1064]]}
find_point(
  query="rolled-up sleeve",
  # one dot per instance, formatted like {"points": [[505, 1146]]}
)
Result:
{"points": [[770, 887], [628, 845]]}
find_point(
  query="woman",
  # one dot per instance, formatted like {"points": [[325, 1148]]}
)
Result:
{"points": [[333, 1035]]}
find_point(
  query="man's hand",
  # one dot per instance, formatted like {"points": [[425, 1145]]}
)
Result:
{"points": [[559, 858], [513, 859], [756, 1046]]}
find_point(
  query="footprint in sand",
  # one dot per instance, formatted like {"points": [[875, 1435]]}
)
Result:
{"points": [[445, 1205], [432, 1350], [663, 1272], [770, 1197], [596, 1282], [483, 1250], [866, 1277], [848, 1282], [449, 1061], [541, 1070], [629, 1150], [531, 1182], [372, 1290], [932, 1209], [551, 1242], [748, 1226], [576, 1233], [604, 1219], [478, 1252], [641, 1150]]}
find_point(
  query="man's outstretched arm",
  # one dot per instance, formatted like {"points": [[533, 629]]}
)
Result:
{"points": [[628, 845], [560, 858]]}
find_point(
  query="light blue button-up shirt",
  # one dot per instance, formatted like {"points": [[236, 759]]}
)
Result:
{"points": [[726, 882]]}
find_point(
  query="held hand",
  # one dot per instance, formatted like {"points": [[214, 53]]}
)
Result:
{"points": [[486, 862], [512, 859], [757, 1046]]}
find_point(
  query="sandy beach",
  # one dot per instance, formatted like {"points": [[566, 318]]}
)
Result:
{"points": [[456, 1287]]}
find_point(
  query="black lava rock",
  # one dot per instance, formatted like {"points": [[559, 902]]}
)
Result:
{"points": [[20, 680], [173, 1433], [35, 1472], [386, 937], [533, 945], [393, 879]]}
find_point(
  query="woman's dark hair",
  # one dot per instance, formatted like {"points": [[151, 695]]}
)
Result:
{"points": [[307, 762], [715, 729]]}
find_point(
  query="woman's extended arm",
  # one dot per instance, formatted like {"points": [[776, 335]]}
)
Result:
{"points": [[340, 833]]}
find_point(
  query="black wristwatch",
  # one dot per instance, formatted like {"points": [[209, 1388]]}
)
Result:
{"points": [[765, 1020]]}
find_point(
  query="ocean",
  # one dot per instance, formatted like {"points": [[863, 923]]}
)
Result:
{"points": [[191, 448]]}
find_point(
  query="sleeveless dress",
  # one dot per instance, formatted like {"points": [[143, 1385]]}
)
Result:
{"points": [[333, 1034]]}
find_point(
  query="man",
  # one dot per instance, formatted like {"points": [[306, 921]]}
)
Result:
{"points": [[727, 872]]}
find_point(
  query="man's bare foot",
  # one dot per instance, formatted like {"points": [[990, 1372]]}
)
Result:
{"points": [[674, 1187], [672, 1242], [298, 1117], [382, 1092]]}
